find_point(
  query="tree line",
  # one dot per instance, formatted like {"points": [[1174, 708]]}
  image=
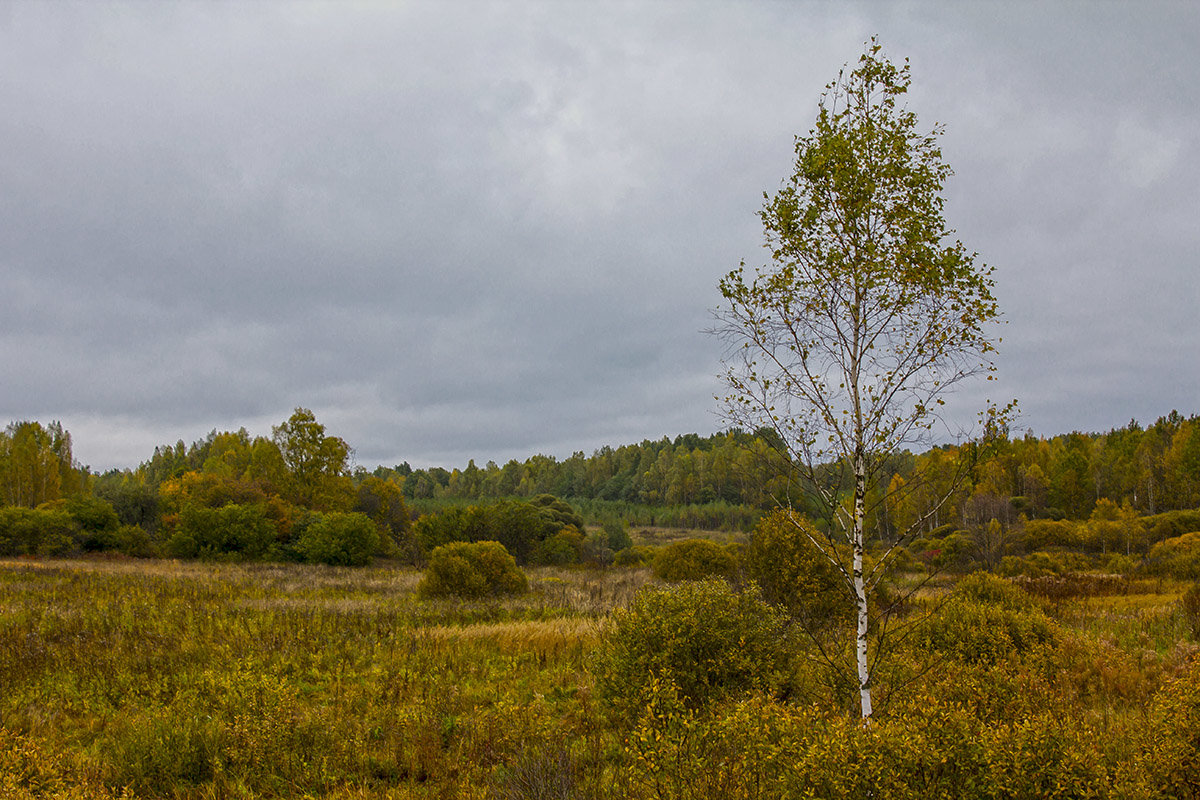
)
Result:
{"points": [[270, 491], [1152, 469]]}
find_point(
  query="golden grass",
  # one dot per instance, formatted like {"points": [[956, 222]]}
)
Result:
{"points": [[193, 680], [654, 536], [549, 636]]}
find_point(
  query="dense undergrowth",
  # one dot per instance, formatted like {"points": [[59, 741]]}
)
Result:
{"points": [[193, 680]]}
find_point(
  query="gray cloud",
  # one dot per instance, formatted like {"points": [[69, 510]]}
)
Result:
{"points": [[483, 230]]}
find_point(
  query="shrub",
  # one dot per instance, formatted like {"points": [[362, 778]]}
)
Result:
{"points": [[383, 501], [564, 547], [975, 632], [1118, 564], [97, 522], [339, 539], [1190, 605], [135, 504], [472, 570], [37, 531], [629, 557], [942, 531], [793, 573], [237, 531], [950, 552], [986, 621], [1037, 534], [558, 512], [986, 588], [1035, 565], [705, 638], [692, 560], [1171, 757], [524, 528], [1177, 557], [34, 768], [739, 749], [1171, 524], [596, 552], [132, 540], [616, 534]]}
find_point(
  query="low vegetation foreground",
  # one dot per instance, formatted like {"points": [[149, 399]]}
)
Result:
{"points": [[169, 679]]}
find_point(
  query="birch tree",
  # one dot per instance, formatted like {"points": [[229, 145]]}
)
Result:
{"points": [[867, 314]]}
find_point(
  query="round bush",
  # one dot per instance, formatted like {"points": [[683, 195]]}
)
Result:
{"points": [[229, 532], [707, 639], [97, 521], [472, 570], [1190, 605], [692, 560], [984, 587], [345, 540], [975, 631], [29, 531], [793, 573], [1177, 557], [629, 557], [564, 547]]}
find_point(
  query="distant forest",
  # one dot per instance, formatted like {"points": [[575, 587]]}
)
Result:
{"points": [[295, 495], [1152, 469]]}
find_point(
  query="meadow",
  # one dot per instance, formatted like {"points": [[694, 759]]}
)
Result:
{"points": [[125, 678]]}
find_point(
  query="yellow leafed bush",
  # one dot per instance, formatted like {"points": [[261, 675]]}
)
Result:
{"points": [[472, 569], [704, 637]]}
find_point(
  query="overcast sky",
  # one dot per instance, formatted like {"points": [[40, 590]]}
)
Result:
{"points": [[464, 230]]}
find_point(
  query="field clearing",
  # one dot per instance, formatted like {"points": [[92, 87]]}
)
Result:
{"points": [[200, 680], [196, 680], [654, 536]]}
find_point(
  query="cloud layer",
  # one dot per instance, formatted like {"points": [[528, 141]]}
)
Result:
{"points": [[486, 230]]}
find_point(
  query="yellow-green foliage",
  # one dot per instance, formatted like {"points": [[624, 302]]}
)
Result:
{"points": [[987, 588], [1037, 534], [951, 551], [1036, 565], [28, 531], [339, 539], [31, 768], [205, 680], [232, 531], [704, 638], [1177, 557], [201, 680], [792, 572], [1190, 605], [693, 560], [1172, 749], [923, 750], [984, 621], [472, 569], [564, 547], [630, 557], [1171, 524]]}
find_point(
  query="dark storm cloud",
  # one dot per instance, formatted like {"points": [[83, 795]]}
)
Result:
{"points": [[485, 230]]}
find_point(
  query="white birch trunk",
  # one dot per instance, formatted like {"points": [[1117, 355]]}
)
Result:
{"points": [[860, 589]]}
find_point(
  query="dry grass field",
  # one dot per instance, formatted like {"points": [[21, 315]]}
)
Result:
{"points": [[200, 680]]}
